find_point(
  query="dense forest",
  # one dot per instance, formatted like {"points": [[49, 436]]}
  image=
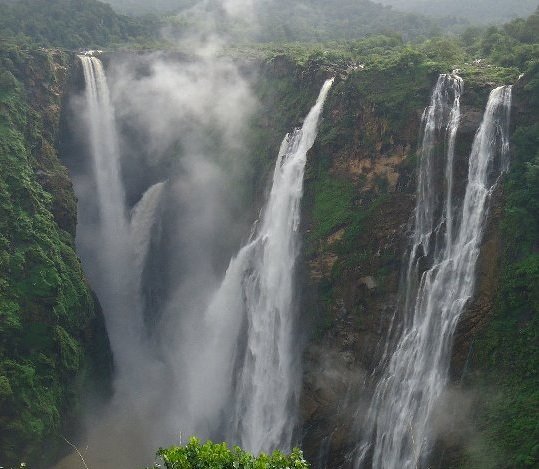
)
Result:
{"points": [[480, 11], [314, 20], [70, 24], [54, 351]]}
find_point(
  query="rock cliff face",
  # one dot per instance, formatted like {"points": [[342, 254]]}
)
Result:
{"points": [[359, 202], [53, 343], [495, 355], [359, 198]]}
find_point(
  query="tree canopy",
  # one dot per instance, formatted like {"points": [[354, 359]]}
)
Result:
{"points": [[70, 23], [197, 455]]}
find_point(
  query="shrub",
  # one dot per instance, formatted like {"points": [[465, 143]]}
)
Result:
{"points": [[196, 455]]}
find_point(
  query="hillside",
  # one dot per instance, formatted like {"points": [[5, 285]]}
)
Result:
{"points": [[53, 346], [309, 21], [158, 7], [70, 24], [476, 12]]}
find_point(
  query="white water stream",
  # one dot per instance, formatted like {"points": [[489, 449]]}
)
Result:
{"points": [[243, 377], [104, 242], [249, 354], [398, 432], [267, 387]]}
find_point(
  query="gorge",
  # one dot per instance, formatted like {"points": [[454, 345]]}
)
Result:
{"points": [[363, 289]]}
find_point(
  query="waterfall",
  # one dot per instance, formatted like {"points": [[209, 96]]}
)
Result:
{"points": [[143, 218], [104, 242], [114, 244], [398, 432], [142, 226], [439, 124], [249, 352], [104, 147], [268, 380]]}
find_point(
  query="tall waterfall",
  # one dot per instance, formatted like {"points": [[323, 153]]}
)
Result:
{"points": [[248, 352], [448, 240], [111, 246], [267, 379], [104, 147], [103, 244]]}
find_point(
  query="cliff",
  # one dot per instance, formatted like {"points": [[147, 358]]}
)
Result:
{"points": [[359, 199], [358, 203], [53, 343]]}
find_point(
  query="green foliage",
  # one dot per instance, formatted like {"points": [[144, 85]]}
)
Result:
{"points": [[196, 455], [71, 24], [332, 207], [141, 7], [506, 355], [46, 306], [515, 44], [309, 21], [478, 11]]}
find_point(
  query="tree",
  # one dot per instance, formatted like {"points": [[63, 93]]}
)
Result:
{"points": [[196, 455]]}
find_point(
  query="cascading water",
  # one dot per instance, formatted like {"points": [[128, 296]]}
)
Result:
{"points": [[104, 243], [440, 122], [143, 218], [114, 246], [398, 433], [104, 146], [267, 379], [253, 376], [249, 349]]}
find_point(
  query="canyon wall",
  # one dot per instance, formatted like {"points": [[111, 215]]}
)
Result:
{"points": [[359, 198]]}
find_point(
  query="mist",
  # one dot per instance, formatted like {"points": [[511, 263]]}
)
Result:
{"points": [[480, 11], [180, 124]]}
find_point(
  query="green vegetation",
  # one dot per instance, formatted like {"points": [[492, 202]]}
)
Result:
{"points": [[309, 21], [71, 24], [141, 7], [196, 455], [515, 44], [506, 355], [478, 11], [47, 312], [332, 207], [319, 20]]}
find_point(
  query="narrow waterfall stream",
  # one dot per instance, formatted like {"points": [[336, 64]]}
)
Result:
{"points": [[143, 218], [447, 239]]}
